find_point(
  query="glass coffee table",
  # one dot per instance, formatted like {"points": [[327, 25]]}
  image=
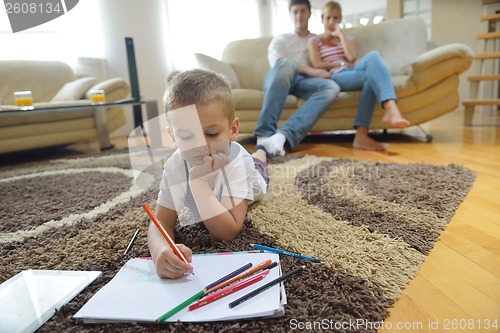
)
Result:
{"points": [[99, 114]]}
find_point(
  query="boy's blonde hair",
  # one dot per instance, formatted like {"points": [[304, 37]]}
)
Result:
{"points": [[198, 86]]}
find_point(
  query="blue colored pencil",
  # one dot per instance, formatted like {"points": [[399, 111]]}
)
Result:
{"points": [[286, 253]]}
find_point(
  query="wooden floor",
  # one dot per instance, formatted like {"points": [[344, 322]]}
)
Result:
{"points": [[458, 287]]}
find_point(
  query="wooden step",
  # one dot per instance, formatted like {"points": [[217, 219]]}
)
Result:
{"points": [[482, 102], [494, 17], [489, 35], [484, 77], [489, 55]]}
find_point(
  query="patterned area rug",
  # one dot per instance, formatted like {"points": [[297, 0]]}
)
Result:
{"points": [[373, 224]]}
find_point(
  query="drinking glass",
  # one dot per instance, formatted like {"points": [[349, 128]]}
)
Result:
{"points": [[97, 97], [23, 100]]}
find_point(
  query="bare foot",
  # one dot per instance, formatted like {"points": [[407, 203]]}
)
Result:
{"points": [[393, 116], [363, 141]]}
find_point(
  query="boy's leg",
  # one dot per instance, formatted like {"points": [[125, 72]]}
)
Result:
{"points": [[260, 165]]}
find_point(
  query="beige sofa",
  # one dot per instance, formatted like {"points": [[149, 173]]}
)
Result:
{"points": [[426, 81], [52, 83]]}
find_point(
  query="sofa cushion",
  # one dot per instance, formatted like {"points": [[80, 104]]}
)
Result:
{"points": [[74, 90], [398, 41], [248, 58], [252, 99], [42, 78], [206, 62]]}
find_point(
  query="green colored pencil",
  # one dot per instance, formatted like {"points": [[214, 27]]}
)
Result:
{"points": [[181, 306]]}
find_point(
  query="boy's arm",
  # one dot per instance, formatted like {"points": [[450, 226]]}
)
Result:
{"points": [[168, 265], [222, 220]]}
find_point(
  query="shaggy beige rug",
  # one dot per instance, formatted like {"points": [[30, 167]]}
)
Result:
{"points": [[372, 223]]}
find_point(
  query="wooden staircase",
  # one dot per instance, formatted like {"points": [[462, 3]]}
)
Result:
{"points": [[477, 80]]}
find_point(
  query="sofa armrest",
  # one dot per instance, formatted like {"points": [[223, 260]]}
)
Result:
{"points": [[440, 63], [114, 89]]}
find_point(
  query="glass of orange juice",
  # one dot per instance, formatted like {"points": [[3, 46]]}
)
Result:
{"points": [[23, 100], [97, 96]]}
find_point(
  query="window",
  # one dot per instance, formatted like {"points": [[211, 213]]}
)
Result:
{"points": [[422, 9], [207, 26], [74, 34]]}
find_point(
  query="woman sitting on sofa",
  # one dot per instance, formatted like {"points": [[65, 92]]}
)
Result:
{"points": [[336, 52]]}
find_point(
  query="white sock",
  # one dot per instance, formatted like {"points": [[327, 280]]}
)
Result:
{"points": [[274, 144]]}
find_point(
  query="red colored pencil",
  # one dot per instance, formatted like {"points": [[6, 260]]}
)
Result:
{"points": [[229, 290], [164, 233]]}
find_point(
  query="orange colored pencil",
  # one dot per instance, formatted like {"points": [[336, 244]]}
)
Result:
{"points": [[246, 273], [164, 233]]}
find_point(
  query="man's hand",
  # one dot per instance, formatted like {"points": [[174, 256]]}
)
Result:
{"points": [[169, 265], [211, 163]]}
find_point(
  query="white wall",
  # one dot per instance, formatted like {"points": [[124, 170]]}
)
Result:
{"points": [[458, 21], [144, 23]]}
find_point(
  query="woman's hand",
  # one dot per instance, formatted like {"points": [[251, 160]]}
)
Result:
{"points": [[337, 32], [169, 265]]}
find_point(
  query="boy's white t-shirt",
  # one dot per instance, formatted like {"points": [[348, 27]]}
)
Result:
{"points": [[238, 179]]}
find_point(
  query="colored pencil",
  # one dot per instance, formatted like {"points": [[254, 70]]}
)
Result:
{"points": [[165, 234], [200, 294], [228, 276], [242, 275], [287, 253], [131, 241], [181, 306], [228, 290], [265, 287]]}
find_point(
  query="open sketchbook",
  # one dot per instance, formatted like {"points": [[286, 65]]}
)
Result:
{"points": [[31, 297], [137, 294]]}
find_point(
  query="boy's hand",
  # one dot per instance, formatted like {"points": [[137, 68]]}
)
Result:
{"points": [[169, 265], [211, 163]]}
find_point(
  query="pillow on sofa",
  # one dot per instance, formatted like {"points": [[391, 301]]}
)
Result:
{"points": [[206, 62], [74, 90]]}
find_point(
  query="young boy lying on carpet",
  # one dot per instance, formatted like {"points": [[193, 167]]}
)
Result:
{"points": [[210, 174]]}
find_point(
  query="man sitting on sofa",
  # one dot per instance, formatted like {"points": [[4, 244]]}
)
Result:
{"points": [[291, 73]]}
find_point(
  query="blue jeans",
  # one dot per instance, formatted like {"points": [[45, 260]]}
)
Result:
{"points": [[371, 76], [282, 80]]}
